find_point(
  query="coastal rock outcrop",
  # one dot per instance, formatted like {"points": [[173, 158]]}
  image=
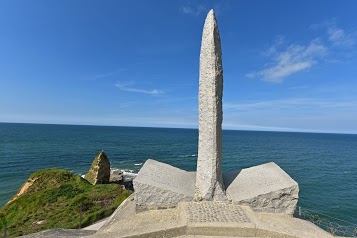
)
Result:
{"points": [[99, 172], [116, 176]]}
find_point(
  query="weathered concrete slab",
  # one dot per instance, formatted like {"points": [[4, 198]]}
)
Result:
{"points": [[160, 185], [206, 219], [126, 222], [209, 182], [265, 188], [282, 225]]}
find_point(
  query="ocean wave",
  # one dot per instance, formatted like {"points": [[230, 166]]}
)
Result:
{"points": [[123, 170], [187, 156]]}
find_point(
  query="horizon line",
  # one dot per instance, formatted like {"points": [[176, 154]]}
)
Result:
{"points": [[283, 130]]}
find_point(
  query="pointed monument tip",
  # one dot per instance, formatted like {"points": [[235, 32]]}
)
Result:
{"points": [[211, 17], [211, 13]]}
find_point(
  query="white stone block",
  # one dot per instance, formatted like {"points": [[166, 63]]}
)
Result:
{"points": [[265, 188], [160, 185]]}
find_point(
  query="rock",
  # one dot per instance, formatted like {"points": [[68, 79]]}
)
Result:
{"points": [[209, 181], [36, 223], [265, 188], [99, 172], [160, 185], [116, 176]]}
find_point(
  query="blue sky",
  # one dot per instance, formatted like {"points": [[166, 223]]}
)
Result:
{"points": [[288, 65]]}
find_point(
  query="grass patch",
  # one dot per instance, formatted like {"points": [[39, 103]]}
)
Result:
{"points": [[54, 200]]}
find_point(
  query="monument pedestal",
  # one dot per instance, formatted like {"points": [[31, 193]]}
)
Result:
{"points": [[205, 219]]}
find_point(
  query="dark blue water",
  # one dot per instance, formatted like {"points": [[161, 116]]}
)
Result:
{"points": [[324, 165]]}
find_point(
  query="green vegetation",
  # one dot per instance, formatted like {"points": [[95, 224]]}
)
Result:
{"points": [[54, 200]]}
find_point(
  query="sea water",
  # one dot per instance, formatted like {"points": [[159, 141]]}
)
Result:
{"points": [[324, 165]]}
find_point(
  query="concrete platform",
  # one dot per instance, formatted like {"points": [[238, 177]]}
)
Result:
{"points": [[196, 220], [205, 219]]}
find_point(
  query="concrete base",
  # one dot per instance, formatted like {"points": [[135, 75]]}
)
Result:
{"points": [[205, 219], [198, 219]]}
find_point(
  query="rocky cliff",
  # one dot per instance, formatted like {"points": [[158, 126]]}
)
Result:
{"points": [[99, 172]]}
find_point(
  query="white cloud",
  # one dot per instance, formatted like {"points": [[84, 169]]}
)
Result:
{"points": [[281, 70], [293, 59], [335, 34], [338, 36], [294, 104], [194, 10], [279, 41], [187, 10], [127, 87]]}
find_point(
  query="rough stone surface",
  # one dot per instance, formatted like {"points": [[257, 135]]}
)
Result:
{"points": [[203, 212], [209, 181], [160, 185], [265, 188], [116, 176], [99, 172]]}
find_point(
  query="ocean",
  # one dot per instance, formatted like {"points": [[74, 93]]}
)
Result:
{"points": [[324, 165]]}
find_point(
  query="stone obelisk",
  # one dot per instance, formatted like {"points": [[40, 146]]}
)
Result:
{"points": [[209, 180]]}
